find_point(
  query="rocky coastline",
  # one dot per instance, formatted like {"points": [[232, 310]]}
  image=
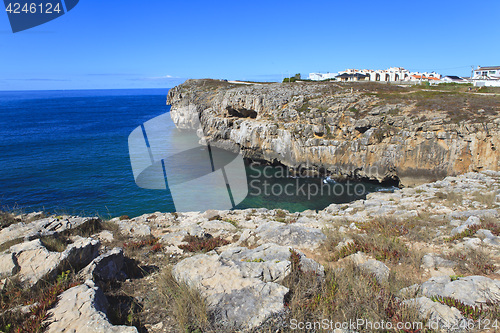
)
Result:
{"points": [[424, 258], [360, 131], [428, 254]]}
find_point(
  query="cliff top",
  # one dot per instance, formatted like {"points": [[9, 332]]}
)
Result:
{"points": [[452, 103]]}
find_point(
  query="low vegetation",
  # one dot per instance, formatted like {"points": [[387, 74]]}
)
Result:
{"points": [[488, 311], [37, 300], [147, 242], [470, 231], [7, 219], [202, 244], [415, 228], [472, 261], [491, 224], [450, 199], [184, 303], [55, 243], [344, 294], [380, 247]]}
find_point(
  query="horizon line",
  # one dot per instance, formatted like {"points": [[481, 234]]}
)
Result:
{"points": [[80, 89]]}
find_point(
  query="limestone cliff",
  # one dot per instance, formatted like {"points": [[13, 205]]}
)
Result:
{"points": [[372, 131]]}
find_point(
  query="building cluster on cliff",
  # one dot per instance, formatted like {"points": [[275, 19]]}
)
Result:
{"points": [[482, 76]]}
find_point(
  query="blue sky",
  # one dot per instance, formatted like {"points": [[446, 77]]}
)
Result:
{"points": [[158, 43]]}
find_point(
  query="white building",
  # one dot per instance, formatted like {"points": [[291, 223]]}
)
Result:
{"points": [[453, 79], [321, 76], [393, 74], [486, 76], [486, 73]]}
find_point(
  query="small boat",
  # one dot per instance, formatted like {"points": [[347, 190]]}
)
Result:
{"points": [[329, 180], [387, 189]]}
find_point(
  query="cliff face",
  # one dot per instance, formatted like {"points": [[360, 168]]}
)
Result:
{"points": [[374, 131]]}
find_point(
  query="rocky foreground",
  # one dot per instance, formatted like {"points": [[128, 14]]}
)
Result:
{"points": [[428, 254], [363, 130]]}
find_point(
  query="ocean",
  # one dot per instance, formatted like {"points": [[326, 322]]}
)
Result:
{"points": [[67, 152]]}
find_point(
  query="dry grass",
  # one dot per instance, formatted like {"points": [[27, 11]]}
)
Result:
{"points": [[383, 239], [488, 199], [472, 261], [416, 228], [7, 219], [184, 303], [383, 248], [450, 199], [8, 244], [333, 237], [55, 243], [346, 294], [280, 213], [40, 299]]}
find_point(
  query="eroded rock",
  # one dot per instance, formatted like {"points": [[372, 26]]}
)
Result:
{"points": [[82, 309], [34, 262], [290, 235], [471, 290], [240, 284]]}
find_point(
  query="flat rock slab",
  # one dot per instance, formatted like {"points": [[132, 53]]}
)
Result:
{"points": [[82, 309], [290, 235], [439, 316], [42, 227], [134, 229], [433, 261], [240, 283], [437, 266], [471, 290], [8, 265], [34, 262]]}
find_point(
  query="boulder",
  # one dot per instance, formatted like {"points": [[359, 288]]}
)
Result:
{"points": [[432, 261], [106, 267], [378, 268], [217, 226], [34, 262], [174, 238], [104, 236], [470, 290], [8, 265], [268, 262], [488, 237], [82, 309], [290, 235], [438, 266], [134, 229], [240, 283], [439, 316], [471, 221]]}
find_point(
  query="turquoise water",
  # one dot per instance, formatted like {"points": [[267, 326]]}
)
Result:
{"points": [[67, 151]]}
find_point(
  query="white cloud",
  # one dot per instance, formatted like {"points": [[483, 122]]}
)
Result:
{"points": [[164, 77]]}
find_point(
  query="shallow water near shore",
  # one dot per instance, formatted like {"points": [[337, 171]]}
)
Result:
{"points": [[67, 151]]}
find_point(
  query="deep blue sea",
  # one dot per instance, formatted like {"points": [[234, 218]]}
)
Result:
{"points": [[67, 151]]}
